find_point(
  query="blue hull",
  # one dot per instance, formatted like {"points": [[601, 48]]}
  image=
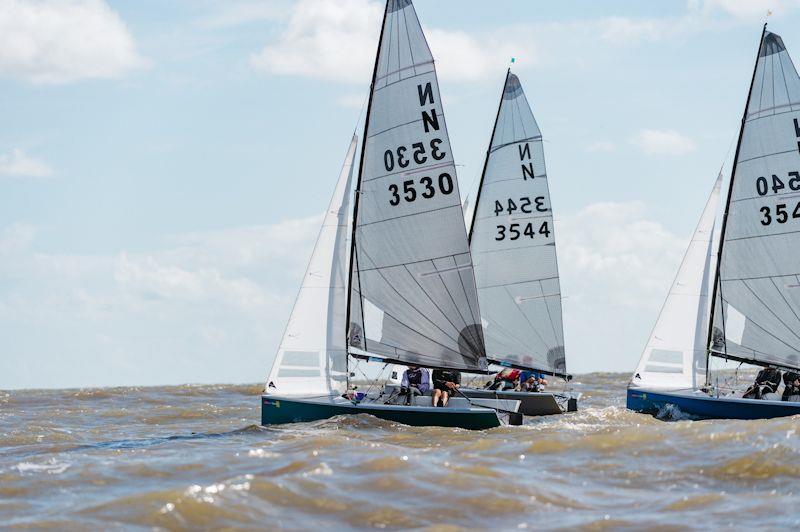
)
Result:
{"points": [[705, 407], [280, 410]]}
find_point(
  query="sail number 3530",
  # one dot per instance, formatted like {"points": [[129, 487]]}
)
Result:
{"points": [[426, 189]]}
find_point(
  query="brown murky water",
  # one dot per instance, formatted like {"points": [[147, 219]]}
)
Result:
{"points": [[195, 457]]}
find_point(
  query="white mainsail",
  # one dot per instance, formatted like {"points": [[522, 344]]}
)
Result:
{"points": [[413, 296], [513, 244], [756, 312], [312, 357], [675, 355]]}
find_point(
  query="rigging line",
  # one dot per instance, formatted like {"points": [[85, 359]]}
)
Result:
{"points": [[486, 161], [357, 196], [717, 284], [770, 310], [780, 293]]}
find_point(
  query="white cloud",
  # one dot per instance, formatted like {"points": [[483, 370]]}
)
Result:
{"points": [[663, 142], [336, 41], [18, 164], [58, 41], [616, 266], [206, 305], [601, 146]]}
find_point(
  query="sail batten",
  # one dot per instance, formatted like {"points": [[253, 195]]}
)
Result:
{"points": [[513, 243], [756, 310], [413, 297]]}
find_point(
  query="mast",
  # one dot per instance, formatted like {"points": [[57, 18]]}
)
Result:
{"points": [[727, 207], [486, 160], [353, 256]]}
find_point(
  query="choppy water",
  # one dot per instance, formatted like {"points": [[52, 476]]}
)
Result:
{"points": [[194, 456]]}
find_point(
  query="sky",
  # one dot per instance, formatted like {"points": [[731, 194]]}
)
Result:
{"points": [[164, 165]]}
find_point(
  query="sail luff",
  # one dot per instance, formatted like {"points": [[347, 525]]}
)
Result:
{"points": [[488, 153], [728, 202], [353, 256]]}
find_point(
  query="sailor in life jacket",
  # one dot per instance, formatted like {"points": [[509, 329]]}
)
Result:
{"points": [[416, 381], [507, 379]]}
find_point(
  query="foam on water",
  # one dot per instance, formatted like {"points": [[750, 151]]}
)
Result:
{"points": [[194, 457]]}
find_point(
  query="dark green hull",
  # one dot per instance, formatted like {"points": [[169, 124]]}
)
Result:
{"points": [[277, 410]]}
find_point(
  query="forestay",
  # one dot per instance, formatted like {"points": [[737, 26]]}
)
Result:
{"points": [[513, 244], [312, 357], [675, 355], [414, 298], [757, 306]]}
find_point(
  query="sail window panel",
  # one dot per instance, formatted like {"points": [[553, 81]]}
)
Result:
{"points": [[301, 358], [295, 373]]}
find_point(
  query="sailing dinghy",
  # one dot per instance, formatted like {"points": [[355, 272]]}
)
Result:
{"points": [[404, 292], [754, 314], [512, 240]]}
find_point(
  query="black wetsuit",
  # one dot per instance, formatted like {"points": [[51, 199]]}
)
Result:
{"points": [[441, 376]]}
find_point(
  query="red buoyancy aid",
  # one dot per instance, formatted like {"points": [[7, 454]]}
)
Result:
{"points": [[508, 374]]}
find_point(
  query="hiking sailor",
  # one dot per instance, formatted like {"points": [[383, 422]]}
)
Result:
{"points": [[791, 392], [765, 386], [445, 384], [507, 379], [415, 382]]}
